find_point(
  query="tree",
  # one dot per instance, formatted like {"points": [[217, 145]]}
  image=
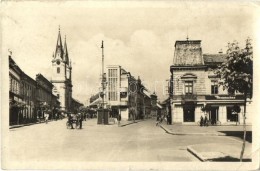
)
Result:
{"points": [[236, 75]]}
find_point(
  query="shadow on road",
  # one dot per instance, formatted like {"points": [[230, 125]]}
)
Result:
{"points": [[228, 159], [239, 134]]}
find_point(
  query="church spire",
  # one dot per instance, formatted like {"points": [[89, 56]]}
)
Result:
{"points": [[59, 48], [66, 53]]}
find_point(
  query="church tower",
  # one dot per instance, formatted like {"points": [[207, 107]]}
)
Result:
{"points": [[61, 74]]}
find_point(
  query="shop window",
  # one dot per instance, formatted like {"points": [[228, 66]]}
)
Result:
{"points": [[231, 116]]}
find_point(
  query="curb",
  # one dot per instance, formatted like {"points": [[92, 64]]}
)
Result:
{"points": [[195, 153], [189, 133], [29, 124], [131, 123]]}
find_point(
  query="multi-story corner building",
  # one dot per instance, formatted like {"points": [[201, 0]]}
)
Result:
{"points": [[28, 92], [194, 85], [62, 74], [16, 103], [117, 90], [43, 94], [127, 96]]}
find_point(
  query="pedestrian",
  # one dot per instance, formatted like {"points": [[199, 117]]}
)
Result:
{"points": [[157, 118], [85, 117], [118, 119], [46, 116], [70, 120], [201, 120], [205, 121], [80, 119], [39, 115]]}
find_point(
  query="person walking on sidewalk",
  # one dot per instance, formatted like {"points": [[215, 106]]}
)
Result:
{"points": [[201, 120], [80, 115], [46, 116], [118, 119], [205, 121]]}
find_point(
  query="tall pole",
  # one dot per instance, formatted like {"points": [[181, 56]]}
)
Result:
{"points": [[102, 82]]}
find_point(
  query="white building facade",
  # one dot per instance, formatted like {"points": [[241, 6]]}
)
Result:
{"points": [[194, 85], [117, 94]]}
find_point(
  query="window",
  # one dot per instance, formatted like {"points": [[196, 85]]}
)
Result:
{"points": [[58, 70], [112, 84], [58, 96], [188, 87], [214, 87]]}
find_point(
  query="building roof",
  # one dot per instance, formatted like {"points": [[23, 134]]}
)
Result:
{"points": [[188, 53], [66, 53], [13, 65], [123, 71], [76, 101], [59, 47], [214, 58]]}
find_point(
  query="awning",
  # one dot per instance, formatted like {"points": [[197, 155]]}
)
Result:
{"points": [[96, 102], [159, 106], [147, 94]]}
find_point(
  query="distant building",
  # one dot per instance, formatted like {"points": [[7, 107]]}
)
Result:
{"points": [[75, 105], [16, 104], [28, 98], [194, 85], [127, 96], [62, 74], [28, 92], [44, 94]]}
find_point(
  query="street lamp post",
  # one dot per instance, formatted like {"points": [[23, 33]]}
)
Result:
{"points": [[103, 86]]}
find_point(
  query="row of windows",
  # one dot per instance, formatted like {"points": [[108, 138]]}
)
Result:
{"points": [[112, 73], [112, 95], [112, 84], [14, 85], [44, 95], [189, 87], [112, 89], [27, 90]]}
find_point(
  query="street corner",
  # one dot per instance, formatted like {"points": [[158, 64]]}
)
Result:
{"points": [[218, 152], [184, 130], [166, 130]]}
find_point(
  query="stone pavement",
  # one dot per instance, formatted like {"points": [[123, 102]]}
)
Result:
{"points": [[214, 151]]}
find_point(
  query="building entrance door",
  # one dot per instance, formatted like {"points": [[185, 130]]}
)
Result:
{"points": [[214, 115], [189, 113]]}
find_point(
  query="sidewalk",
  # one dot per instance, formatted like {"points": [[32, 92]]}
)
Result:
{"points": [[28, 124], [226, 151], [220, 152], [124, 122], [179, 129]]}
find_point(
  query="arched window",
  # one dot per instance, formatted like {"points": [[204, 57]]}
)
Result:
{"points": [[58, 70]]}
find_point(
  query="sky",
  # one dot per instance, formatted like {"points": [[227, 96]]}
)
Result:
{"points": [[139, 36]]}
